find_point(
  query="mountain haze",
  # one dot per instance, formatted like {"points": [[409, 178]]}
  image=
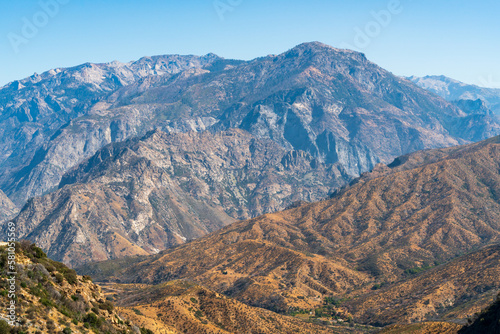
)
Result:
{"points": [[454, 90]]}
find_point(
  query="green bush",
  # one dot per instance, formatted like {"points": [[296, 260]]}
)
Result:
{"points": [[47, 302], [136, 311], [332, 301], [4, 327], [38, 253], [93, 320], [59, 278], [70, 276], [107, 305]]}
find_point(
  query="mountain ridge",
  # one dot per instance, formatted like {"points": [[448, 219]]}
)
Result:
{"points": [[332, 103]]}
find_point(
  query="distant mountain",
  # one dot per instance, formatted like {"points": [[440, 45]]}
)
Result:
{"points": [[423, 209], [37, 112], [147, 194], [7, 208], [454, 90], [334, 104]]}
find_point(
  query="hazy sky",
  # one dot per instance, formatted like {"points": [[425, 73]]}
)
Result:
{"points": [[457, 38]]}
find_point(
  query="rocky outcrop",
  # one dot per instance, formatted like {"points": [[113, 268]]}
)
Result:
{"points": [[473, 106], [145, 195]]}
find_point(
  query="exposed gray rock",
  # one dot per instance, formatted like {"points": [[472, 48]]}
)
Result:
{"points": [[7, 209], [145, 195]]}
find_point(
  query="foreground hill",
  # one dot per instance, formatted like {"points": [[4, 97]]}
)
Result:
{"points": [[332, 103], [425, 208], [145, 195], [51, 298], [487, 322]]}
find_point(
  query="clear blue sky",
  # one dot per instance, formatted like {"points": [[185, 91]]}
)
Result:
{"points": [[457, 38]]}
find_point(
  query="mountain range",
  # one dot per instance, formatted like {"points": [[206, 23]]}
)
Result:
{"points": [[310, 191], [332, 103], [405, 242]]}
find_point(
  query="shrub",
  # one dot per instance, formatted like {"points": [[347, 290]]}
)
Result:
{"points": [[93, 320], [332, 301], [38, 253], [4, 327], [47, 302], [59, 278], [107, 305], [70, 276]]}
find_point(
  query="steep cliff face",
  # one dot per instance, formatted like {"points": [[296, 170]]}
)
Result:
{"points": [[7, 208], [334, 104], [144, 195]]}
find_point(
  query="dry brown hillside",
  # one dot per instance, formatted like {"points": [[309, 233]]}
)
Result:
{"points": [[51, 298], [455, 290], [426, 209], [181, 307]]}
